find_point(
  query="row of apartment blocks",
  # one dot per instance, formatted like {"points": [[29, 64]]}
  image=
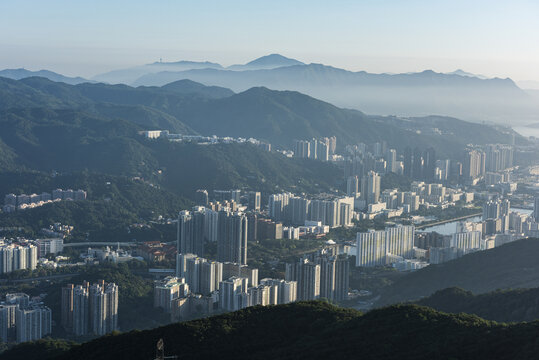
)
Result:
{"points": [[90, 309], [199, 139], [22, 319], [297, 210], [14, 202], [229, 198], [23, 254], [17, 256], [319, 149]]}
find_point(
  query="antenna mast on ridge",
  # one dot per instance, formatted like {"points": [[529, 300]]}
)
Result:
{"points": [[160, 351]]}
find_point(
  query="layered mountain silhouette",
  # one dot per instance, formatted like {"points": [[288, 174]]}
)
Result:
{"points": [[459, 94], [278, 117], [17, 74]]}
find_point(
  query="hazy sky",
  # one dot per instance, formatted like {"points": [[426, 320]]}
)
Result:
{"points": [[494, 38]]}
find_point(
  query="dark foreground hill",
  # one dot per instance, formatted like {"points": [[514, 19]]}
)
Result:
{"points": [[501, 305], [310, 330], [513, 265]]}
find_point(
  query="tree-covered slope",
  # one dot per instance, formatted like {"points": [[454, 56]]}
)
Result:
{"points": [[113, 204], [512, 265], [67, 140], [500, 305], [314, 330]]}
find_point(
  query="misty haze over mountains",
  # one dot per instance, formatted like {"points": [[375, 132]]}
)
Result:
{"points": [[459, 93]]}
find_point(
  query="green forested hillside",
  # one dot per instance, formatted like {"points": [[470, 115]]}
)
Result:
{"points": [[312, 330], [113, 203], [500, 305], [512, 265], [67, 140]]}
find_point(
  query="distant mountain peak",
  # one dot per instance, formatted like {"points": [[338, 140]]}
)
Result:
{"points": [[461, 72], [275, 59], [271, 61]]}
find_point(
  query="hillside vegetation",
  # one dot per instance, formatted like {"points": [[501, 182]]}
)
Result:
{"points": [[500, 305], [67, 140], [113, 204], [512, 265]]}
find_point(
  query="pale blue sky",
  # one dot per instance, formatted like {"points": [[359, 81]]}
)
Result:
{"points": [[495, 38]]}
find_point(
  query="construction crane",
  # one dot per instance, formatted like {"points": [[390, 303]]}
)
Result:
{"points": [[160, 352]]}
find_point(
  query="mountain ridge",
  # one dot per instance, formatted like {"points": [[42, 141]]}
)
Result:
{"points": [[309, 330]]}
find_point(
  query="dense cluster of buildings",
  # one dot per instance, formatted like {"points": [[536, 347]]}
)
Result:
{"points": [[393, 202], [329, 210], [416, 164], [90, 309], [492, 159], [14, 202], [202, 286], [422, 165], [23, 319], [409, 250]]}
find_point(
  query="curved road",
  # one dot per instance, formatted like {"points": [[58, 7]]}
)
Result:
{"points": [[108, 243]]}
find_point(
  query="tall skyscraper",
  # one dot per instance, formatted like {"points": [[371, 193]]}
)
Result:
{"points": [[429, 164], [322, 150], [302, 149], [254, 200], [332, 145], [94, 308], [80, 313], [370, 187], [391, 158], [190, 235], [67, 307], [203, 276], [7, 321], [536, 209], [307, 275], [418, 164], [232, 237], [233, 294], [33, 322], [168, 289], [495, 209], [408, 162], [352, 185], [103, 304], [474, 164]]}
